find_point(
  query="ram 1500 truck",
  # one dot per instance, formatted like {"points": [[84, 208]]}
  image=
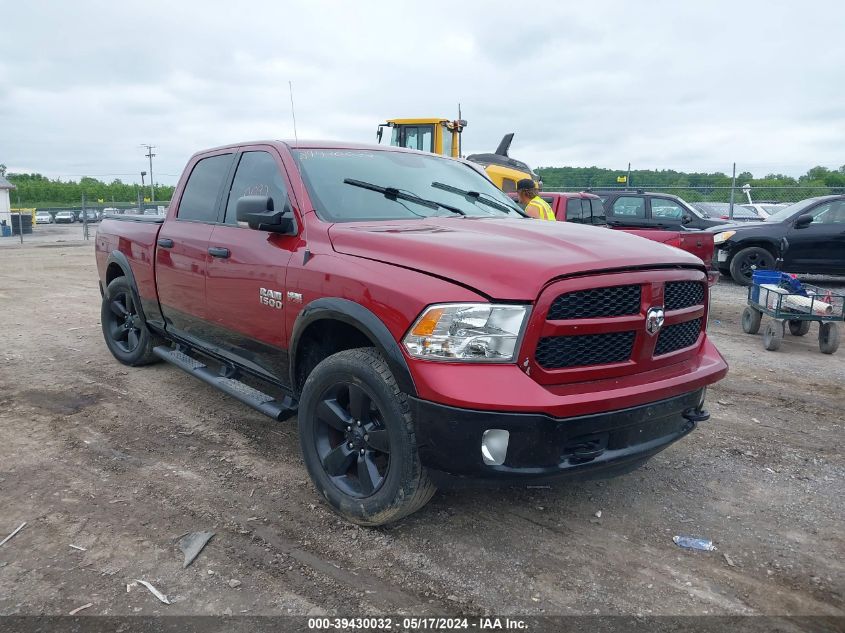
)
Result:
{"points": [[415, 321]]}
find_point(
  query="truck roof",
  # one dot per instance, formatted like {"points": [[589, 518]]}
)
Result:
{"points": [[569, 194], [313, 144]]}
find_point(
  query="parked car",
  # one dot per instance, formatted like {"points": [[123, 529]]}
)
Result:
{"points": [[65, 217], [722, 211], [587, 208], [765, 209], [641, 209], [815, 233], [43, 217], [417, 323], [90, 216]]}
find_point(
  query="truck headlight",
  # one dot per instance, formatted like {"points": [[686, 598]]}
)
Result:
{"points": [[481, 332], [724, 236]]}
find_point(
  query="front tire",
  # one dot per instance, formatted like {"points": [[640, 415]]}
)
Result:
{"points": [[358, 439], [124, 329], [751, 318], [746, 261]]}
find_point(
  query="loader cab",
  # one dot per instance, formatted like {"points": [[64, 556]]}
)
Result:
{"points": [[438, 136]]}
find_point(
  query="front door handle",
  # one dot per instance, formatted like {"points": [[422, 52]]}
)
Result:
{"points": [[165, 242], [218, 251]]}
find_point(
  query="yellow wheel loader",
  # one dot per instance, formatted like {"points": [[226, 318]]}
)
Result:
{"points": [[443, 137]]}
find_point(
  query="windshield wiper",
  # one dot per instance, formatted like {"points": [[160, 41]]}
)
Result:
{"points": [[392, 193], [475, 196]]}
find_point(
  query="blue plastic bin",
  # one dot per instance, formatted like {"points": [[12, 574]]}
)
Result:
{"points": [[6, 230], [763, 277]]}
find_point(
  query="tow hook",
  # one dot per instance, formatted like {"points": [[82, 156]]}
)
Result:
{"points": [[694, 414]]}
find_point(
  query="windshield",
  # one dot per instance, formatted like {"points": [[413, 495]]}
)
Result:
{"points": [[793, 209], [325, 170], [693, 210]]}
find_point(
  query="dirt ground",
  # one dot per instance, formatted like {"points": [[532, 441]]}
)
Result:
{"points": [[124, 461]]}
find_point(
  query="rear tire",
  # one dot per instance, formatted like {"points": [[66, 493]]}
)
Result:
{"points": [[746, 261], [798, 327], [828, 338], [773, 335], [124, 329], [358, 440], [751, 318]]}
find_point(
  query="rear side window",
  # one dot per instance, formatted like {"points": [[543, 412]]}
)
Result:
{"points": [[629, 207], [199, 200], [598, 211], [257, 175]]}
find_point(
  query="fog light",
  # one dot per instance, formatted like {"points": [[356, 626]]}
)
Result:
{"points": [[494, 446]]}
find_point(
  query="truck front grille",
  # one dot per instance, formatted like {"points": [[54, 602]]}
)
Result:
{"points": [[596, 302], [683, 294], [594, 327], [678, 336], [556, 352]]}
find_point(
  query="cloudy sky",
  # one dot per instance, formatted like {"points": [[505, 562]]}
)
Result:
{"points": [[666, 85]]}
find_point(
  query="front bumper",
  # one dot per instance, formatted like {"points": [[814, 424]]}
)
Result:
{"points": [[541, 446]]}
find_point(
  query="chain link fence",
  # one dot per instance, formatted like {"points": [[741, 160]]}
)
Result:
{"points": [[23, 222], [758, 195]]}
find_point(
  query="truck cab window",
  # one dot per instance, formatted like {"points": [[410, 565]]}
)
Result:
{"points": [[199, 200], [419, 137], [629, 207], [597, 211], [666, 209], [257, 175], [447, 140], [574, 210]]}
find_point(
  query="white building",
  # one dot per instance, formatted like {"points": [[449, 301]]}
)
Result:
{"points": [[5, 205]]}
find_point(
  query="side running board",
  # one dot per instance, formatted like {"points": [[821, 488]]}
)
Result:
{"points": [[258, 400]]}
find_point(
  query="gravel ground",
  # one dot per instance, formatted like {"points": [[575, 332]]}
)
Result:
{"points": [[122, 462]]}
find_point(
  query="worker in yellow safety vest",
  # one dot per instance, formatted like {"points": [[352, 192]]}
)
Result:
{"points": [[534, 205]]}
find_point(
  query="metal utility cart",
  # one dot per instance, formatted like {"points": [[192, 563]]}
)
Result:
{"points": [[794, 305]]}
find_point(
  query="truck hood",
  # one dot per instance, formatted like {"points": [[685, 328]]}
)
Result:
{"points": [[501, 258]]}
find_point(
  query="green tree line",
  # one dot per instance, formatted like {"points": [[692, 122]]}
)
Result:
{"points": [[697, 186], [35, 190]]}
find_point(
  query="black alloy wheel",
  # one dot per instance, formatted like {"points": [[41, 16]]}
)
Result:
{"points": [[126, 333], [746, 261], [125, 325], [351, 439]]}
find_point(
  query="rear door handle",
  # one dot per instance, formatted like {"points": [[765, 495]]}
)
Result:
{"points": [[165, 242], [218, 251]]}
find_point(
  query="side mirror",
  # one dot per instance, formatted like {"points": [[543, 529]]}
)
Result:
{"points": [[803, 221], [259, 213], [686, 218], [379, 132]]}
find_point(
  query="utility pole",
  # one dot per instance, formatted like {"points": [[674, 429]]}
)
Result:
{"points": [[150, 155], [733, 190], [84, 218]]}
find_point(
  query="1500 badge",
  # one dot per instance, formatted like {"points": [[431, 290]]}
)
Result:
{"points": [[272, 298]]}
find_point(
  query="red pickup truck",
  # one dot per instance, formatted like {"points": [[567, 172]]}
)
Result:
{"points": [[416, 322], [587, 208]]}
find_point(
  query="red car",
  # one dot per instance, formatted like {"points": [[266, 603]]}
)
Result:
{"points": [[416, 322], [587, 208]]}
